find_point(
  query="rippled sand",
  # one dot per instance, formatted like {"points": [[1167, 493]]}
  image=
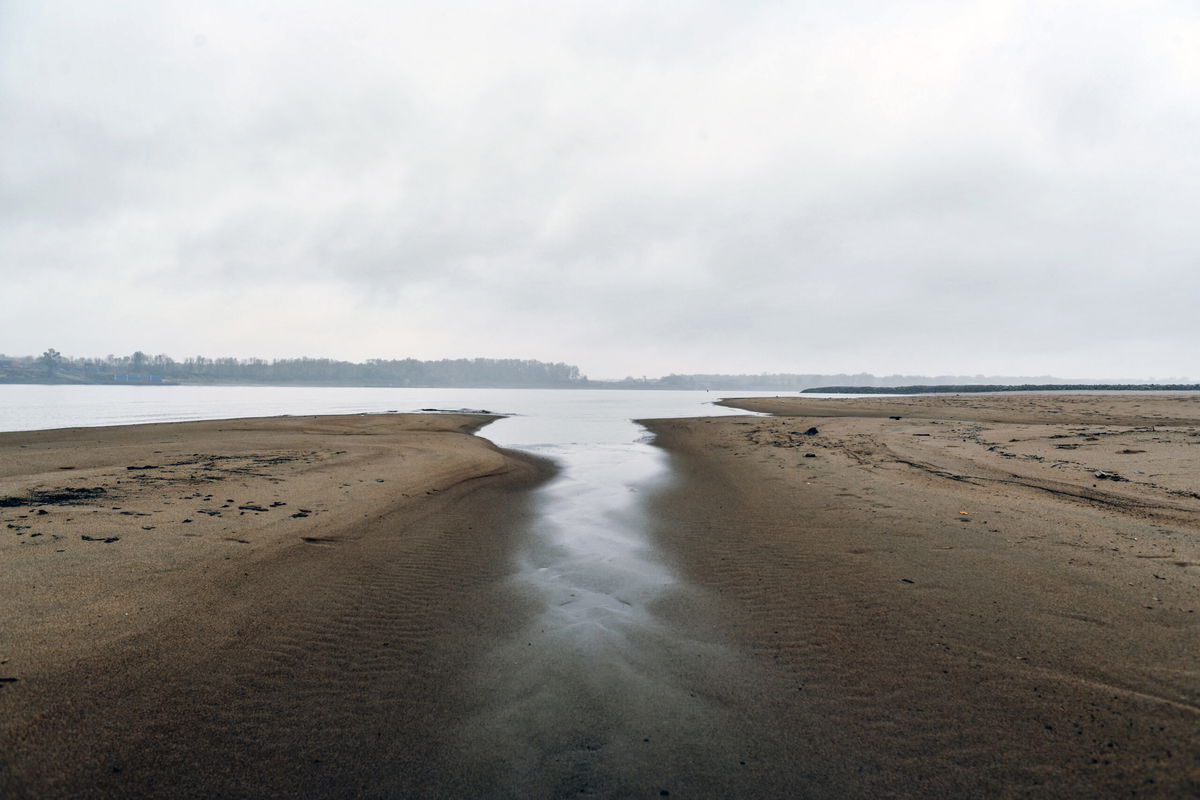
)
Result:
{"points": [[955, 596], [922, 597], [280, 607]]}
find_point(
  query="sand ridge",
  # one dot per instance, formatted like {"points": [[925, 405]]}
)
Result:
{"points": [[948, 603], [302, 637]]}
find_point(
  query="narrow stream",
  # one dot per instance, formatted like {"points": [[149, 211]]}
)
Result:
{"points": [[596, 696], [590, 559]]}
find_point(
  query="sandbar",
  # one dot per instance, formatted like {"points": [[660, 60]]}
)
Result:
{"points": [[256, 607], [952, 596]]}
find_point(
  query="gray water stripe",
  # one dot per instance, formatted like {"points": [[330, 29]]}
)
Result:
{"points": [[587, 697]]}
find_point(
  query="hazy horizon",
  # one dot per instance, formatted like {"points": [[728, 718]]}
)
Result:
{"points": [[934, 188], [889, 378]]}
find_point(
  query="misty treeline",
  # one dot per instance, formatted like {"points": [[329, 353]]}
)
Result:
{"points": [[788, 382], [140, 367]]}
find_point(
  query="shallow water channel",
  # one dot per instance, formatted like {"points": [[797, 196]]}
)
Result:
{"points": [[594, 696], [590, 557]]}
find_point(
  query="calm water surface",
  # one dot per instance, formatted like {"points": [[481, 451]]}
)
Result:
{"points": [[566, 705]]}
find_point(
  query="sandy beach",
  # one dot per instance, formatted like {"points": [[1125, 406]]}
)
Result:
{"points": [[937, 596], [267, 607], [954, 596]]}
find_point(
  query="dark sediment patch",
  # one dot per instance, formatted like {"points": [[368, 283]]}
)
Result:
{"points": [[50, 497]]}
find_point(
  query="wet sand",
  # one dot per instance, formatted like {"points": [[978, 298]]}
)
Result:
{"points": [[280, 607], [948, 596]]}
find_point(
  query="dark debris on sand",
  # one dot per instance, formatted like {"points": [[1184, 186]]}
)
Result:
{"points": [[47, 497]]}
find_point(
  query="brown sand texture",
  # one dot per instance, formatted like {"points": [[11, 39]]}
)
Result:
{"points": [[941, 596], [950, 596], [261, 607]]}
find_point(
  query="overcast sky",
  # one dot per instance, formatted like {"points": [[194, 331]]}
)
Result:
{"points": [[633, 187]]}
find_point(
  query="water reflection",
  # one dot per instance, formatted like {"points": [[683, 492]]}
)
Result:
{"points": [[595, 696], [589, 556]]}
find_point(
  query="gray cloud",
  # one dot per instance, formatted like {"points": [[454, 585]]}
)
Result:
{"points": [[639, 189]]}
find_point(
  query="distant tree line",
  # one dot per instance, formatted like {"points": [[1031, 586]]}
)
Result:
{"points": [[1041, 387], [139, 367], [783, 382], [792, 382], [53, 367]]}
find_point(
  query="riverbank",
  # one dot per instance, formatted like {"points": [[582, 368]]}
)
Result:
{"points": [[952, 596], [931, 596], [275, 606]]}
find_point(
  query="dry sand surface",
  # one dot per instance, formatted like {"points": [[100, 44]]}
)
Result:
{"points": [[261, 607], [951, 596]]}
